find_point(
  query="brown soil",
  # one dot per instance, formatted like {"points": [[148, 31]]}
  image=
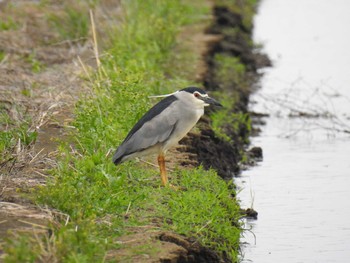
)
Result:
{"points": [[39, 83], [148, 245]]}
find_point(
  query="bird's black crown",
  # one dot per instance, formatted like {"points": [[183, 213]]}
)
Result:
{"points": [[193, 89]]}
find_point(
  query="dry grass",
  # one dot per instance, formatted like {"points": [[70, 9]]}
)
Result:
{"points": [[40, 81]]}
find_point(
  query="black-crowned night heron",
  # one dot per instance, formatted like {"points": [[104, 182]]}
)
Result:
{"points": [[163, 126]]}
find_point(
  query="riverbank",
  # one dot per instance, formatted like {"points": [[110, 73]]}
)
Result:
{"points": [[232, 75], [149, 223]]}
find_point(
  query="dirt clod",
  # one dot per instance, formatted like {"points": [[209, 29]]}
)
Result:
{"points": [[250, 213], [256, 153], [167, 247]]}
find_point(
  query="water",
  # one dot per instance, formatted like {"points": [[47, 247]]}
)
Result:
{"points": [[302, 188]]}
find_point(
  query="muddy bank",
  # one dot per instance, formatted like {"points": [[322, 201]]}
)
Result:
{"points": [[171, 247], [235, 42]]}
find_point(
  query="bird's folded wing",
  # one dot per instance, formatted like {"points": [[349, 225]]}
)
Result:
{"points": [[155, 131]]}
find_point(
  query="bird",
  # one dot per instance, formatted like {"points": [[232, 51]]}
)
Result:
{"points": [[163, 126]]}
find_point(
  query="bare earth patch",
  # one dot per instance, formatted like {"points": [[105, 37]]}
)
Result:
{"points": [[39, 84]]}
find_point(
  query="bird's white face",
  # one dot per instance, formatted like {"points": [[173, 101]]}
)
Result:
{"points": [[200, 98], [195, 99]]}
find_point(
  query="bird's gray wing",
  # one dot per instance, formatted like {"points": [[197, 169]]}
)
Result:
{"points": [[156, 130]]}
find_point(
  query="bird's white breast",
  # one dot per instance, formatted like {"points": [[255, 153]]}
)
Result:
{"points": [[187, 119]]}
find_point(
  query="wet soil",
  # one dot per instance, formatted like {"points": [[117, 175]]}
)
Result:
{"points": [[166, 247]]}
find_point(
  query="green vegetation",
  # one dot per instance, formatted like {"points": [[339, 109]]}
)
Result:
{"points": [[36, 65], [234, 77], [8, 23], [2, 55], [230, 70], [12, 133], [205, 211], [230, 126], [100, 202], [231, 123], [73, 23], [95, 194]]}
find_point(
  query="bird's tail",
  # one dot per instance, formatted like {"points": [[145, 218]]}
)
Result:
{"points": [[117, 157], [117, 161]]}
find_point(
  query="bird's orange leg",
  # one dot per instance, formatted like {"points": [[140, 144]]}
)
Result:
{"points": [[163, 173]]}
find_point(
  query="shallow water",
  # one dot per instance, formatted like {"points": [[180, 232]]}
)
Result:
{"points": [[301, 190]]}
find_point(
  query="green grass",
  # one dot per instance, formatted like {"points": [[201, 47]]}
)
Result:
{"points": [[12, 132], [206, 211], [8, 23], [230, 70], [35, 64], [73, 23], [92, 191], [2, 55], [231, 123]]}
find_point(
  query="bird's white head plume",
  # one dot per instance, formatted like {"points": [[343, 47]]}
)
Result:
{"points": [[163, 96]]}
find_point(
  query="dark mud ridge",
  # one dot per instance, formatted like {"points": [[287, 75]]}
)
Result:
{"points": [[212, 151]]}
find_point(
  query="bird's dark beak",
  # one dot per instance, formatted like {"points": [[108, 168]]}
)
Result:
{"points": [[211, 101]]}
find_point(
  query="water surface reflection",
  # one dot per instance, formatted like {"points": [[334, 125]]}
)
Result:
{"points": [[302, 188]]}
